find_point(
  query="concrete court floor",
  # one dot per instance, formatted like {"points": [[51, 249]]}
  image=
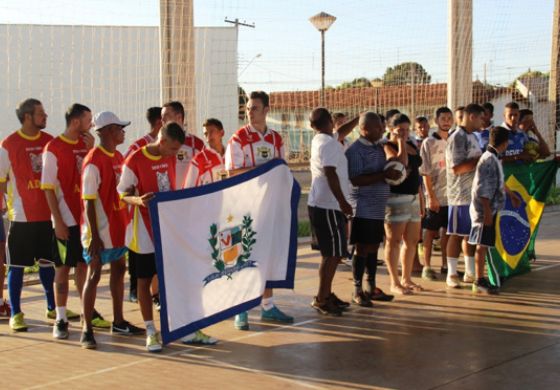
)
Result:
{"points": [[435, 339]]}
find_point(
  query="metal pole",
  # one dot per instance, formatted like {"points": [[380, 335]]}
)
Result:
{"points": [[322, 67]]}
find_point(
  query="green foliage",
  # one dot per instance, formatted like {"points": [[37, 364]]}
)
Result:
{"points": [[402, 74], [553, 197], [304, 229], [359, 82]]}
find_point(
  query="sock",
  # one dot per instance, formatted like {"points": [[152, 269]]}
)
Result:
{"points": [[267, 303], [358, 268], [61, 313], [371, 267], [469, 265], [150, 328], [452, 265], [15, 285], [46, 274]]}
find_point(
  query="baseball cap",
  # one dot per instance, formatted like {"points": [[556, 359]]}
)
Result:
{"points": [[106, 118]]}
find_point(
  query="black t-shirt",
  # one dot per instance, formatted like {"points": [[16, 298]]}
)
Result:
{"points": [[412, 182]]}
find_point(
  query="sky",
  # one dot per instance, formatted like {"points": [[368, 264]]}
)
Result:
{"points": [[509, 36]]}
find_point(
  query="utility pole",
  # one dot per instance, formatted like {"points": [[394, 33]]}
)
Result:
{"points": [[412, 81], [459, 78], [554, 81], [177, 58], [238, 23]]}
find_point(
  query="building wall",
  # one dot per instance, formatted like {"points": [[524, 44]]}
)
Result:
{"points": [[113, 68]]}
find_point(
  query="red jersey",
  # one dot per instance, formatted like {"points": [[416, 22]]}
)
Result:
{"points": [[146, 173], [248, 148], [101, 173], [207, 166], [21, 164], [192, 146], [62, 172], [139, 143]]}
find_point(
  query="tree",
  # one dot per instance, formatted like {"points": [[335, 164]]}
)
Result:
{"points": [[532, 74], [402, 74], [359, 82]]}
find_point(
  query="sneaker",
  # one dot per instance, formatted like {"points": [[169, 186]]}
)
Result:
{"points": [[468, 278], [87, 341], [421, 250], [60, 330], [443, 271], [339, 302], [346, 261], [241, 321], [132, 297], [429, 274], [276, 315], [199, 338], [379, 295], [329, 308], [153, 343], [484, 286], [126, 328], [99, 322], [17, 323], [5, 310], [453, 281], [70, 315], [436, 246], [360, 299], [155, 301]]}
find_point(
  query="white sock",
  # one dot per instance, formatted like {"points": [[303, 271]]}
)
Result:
{"points": [[452, 265], [150, 328], [61, 313], [469, 265], [267, 303]]}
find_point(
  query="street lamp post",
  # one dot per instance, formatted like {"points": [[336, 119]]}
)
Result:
{"points": [[322, 21]]}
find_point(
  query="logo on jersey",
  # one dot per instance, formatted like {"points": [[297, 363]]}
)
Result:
{"points": [[231, 248], [180, 155], [36, 162], [79, 161], [264, 152], [163, 182]]}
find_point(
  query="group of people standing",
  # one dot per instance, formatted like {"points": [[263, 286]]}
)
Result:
{"points": [[393, 186]]}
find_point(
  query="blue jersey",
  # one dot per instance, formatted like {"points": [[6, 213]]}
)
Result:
{"points": [[517, 141]]}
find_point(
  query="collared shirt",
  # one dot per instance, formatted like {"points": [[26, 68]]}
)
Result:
{"points": [[206, 167], [249, 148], [366, 158]]}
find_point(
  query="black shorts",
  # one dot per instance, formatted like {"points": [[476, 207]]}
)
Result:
{"points": [[435, 221], [145, 264], [314, 241], [69, 252], [483, 235], [367, 231], [330, 229], [28, 242]]}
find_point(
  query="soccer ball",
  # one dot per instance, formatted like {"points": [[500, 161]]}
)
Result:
{"points": [[398, 166]]}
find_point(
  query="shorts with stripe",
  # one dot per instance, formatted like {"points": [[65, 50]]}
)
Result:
{"points": [[330, 229], [483, 235], [459, 221], [402, 209]]}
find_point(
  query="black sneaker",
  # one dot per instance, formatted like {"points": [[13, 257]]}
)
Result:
{"points": [[339, 302], [155, 300], [484, 286], [87, 341], [127, 328], [379, 295], [360, 299], [60, 330], [329, 308]]}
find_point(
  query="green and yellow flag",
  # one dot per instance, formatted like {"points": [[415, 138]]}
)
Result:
{"points": [[516, 228]]}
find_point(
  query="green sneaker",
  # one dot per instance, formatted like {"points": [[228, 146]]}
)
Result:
{"points": [[99, 322], [70, 315], [153, 344], [17, 323], [241, 321], [199, 338], [429, 274], [276, 315]]}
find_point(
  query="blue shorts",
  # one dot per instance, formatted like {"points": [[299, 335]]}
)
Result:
{"points": [[107, 255], [459, 221]]}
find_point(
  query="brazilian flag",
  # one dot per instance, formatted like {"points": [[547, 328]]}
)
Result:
{"points": [[516, 228]]}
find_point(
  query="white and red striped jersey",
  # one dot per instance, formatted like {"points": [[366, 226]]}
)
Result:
{"points": [[101, 173], [146, 173], [249, 148], [20, 165], [62, 172], [206, 167], [192, 146], [139, 143]]}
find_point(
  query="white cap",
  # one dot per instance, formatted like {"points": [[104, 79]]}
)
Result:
{"points": [[106, 118]]}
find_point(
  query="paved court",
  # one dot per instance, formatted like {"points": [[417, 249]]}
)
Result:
{"points": [[436, 339]]}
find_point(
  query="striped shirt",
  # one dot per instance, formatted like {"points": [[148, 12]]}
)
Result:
{"points": [[366, 158]]}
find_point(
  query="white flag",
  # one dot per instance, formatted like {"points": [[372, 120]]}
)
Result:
{"points": [[218, 246]]}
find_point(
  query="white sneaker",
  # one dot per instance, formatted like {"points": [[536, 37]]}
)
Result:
{"points": [[468, 278], [153, 344], [453, 281]]}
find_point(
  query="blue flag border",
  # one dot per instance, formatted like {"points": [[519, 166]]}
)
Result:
{"points": [[160, 197]]}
